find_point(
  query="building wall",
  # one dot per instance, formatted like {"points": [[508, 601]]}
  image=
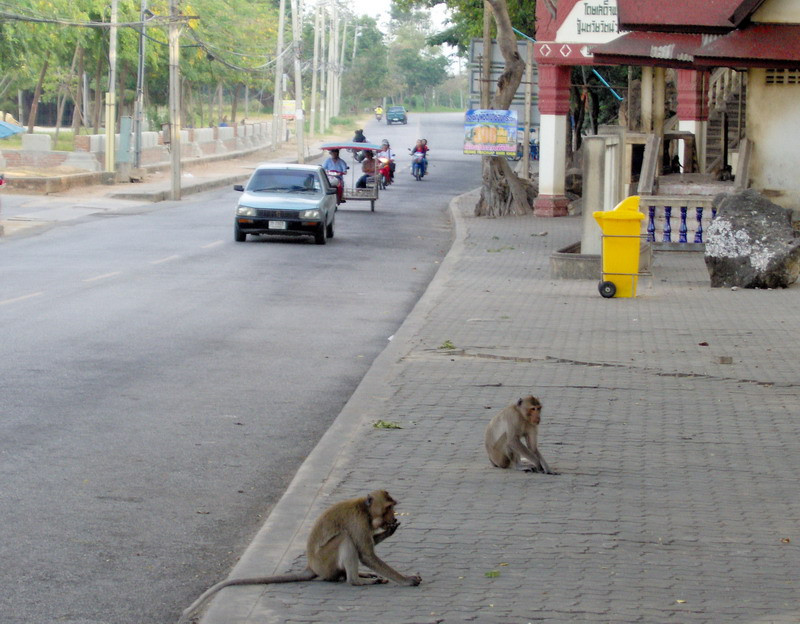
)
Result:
{"points": [[778, 11], [772, 126]]}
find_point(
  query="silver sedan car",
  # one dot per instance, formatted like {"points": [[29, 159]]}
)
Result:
{"points": [[286, 200]]}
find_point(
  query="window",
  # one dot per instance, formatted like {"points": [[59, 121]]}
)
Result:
{"points": [[782, 77]]}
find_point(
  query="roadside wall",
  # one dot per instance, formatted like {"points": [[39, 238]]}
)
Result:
{"points": [[89, 154]]}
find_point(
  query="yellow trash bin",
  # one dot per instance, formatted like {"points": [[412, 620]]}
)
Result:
{"points": [[621, 247]]}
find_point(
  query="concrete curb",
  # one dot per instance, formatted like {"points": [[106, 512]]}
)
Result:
{"points": [[281, 539], [196, 187]]}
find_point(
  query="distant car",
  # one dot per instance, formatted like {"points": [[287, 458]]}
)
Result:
{"points": [[396, 114], [286, 200]]}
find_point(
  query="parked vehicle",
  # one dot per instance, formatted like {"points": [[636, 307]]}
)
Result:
{"points": [[286, 200], [396, 114]]}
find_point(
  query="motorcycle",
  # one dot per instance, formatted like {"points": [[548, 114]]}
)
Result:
{"points": [[336, 179], [378, 116], [418, 162], [384, 173], [518, 156]]}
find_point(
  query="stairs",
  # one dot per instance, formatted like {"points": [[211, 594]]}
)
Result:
{"points": [[727, 98]]}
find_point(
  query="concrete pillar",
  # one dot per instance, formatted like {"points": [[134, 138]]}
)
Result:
{"points": [[647, 100], [594, 176], [554, 109], [659, 100]]}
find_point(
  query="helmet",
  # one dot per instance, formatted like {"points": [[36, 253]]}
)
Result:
{"points": [[385, 142]]}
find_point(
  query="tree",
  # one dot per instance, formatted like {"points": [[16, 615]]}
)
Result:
{"points": [[503, 192]]}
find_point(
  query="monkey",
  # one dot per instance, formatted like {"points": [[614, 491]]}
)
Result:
{"points": [[505, 430], [343, 535]]}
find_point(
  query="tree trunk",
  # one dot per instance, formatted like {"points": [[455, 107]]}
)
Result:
{"points": [[77, 113], [235, 102], [37, 94], [98, 97], [503, 193]]}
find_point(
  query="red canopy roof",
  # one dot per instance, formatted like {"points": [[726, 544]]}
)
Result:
{"points": [[684, 15], [649, 48], [761, 45]]}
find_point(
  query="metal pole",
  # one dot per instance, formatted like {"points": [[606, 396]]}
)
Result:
{"points": [[526, 135], [138, 113], [277, 113], [111, 95], [298, 84], [174, 99]]}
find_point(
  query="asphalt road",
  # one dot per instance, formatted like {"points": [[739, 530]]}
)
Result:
{"points": [[160, 384]]}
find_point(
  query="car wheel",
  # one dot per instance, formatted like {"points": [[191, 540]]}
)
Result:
{"points": [[329, 231], [320, 236], [238, 235]]}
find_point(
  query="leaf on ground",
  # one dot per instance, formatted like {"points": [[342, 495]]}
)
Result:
{"points": [[492, 574], [385, 424]]}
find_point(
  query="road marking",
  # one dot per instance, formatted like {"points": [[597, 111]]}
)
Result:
{"points": [[214, 244], [167, 259], [22, 298], [103, 276]]}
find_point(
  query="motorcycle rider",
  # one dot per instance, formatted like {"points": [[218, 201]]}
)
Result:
{"points": [[387, 154], [368, 168], [334, 163], [421, 147]]}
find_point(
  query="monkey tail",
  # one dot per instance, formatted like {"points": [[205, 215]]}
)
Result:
{"points": [[306, 575]]}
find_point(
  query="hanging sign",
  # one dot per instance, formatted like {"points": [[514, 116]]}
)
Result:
{"points": [[490, 132]]}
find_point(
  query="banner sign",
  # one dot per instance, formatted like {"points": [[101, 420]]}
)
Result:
{"points": [[490, 132]]}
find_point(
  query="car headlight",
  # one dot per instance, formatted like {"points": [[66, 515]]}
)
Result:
{"points": [[310, 214], [245, 211]]}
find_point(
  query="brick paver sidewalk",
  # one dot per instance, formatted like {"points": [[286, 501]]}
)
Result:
{"points": [[678, 495]]}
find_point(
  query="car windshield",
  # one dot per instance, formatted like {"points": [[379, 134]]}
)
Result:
{"points": [[284, 182], [397, 109]]}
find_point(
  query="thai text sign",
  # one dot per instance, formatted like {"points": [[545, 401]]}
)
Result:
{"points": [[490, 132], [590, 21]]}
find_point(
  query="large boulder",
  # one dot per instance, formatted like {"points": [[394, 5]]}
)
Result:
{"points": [[751, 243]]}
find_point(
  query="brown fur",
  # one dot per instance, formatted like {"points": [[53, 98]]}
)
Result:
{"points": [[344, 535]]}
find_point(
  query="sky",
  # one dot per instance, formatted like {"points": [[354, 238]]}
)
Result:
{"points": [[380, 10]]}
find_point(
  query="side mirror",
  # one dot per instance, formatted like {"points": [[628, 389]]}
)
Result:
{"points": [[238, 187]]}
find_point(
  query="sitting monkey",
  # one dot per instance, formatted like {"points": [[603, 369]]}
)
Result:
{"points": [[342, 536], [507, 430]]}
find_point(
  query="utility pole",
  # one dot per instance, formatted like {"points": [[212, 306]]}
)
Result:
{"points": [[333, 46], [277, 112], [111, 95], [323, 87], [175, 99], [138, 113], [298, 85], [314, 66], [340, 69]]}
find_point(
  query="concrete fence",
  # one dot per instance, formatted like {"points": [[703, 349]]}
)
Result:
{"points": [[89, 154]]}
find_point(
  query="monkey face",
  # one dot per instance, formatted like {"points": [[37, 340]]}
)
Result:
{"points": [[381, 509], [531, 409]]}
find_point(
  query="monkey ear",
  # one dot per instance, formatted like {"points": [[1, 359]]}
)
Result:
{"points": [[369, 500], [519, 402]]}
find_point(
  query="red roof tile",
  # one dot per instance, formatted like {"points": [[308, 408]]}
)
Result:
{"points": [[649, 48], [684, 15], [760, 45]]}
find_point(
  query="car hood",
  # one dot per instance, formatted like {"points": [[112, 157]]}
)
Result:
{"points": [[282, 201]]}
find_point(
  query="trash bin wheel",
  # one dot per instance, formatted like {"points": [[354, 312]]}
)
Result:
{"points": [[607, 289]]}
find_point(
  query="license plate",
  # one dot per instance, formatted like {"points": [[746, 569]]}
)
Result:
{"points": [[277, 225]]}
